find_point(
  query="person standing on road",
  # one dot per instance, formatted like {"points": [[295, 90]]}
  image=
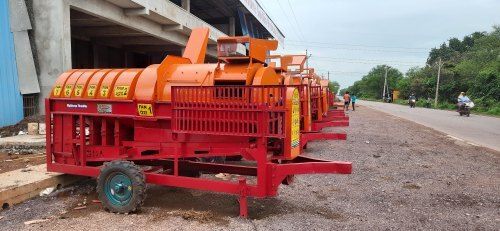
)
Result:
{"points": [[347, 101], [353, 101]]}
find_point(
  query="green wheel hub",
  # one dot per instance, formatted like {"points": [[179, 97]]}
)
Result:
{"points": [[118, 189], [121, 186]]}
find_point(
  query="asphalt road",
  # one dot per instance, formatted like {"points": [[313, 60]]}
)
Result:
{"points": [[476, 129]]}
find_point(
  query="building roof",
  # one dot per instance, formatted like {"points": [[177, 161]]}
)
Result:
{"points": [[217, 12]]}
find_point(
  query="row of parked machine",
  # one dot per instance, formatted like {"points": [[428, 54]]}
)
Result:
{"points": [[179, 122]]}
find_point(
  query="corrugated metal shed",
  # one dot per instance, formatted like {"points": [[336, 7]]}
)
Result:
{"points": [[11, 102]]}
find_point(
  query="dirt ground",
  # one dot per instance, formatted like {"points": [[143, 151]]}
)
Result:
{"points": [[9, 162], [405, 177], [21, 126]]}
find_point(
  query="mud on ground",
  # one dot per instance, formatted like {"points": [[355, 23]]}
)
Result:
{"points": [[13, 130], [9, 162], [405, 177]]}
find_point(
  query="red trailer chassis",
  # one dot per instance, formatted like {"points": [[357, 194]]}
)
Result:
{"points": [[320, 118], [177, 138]]}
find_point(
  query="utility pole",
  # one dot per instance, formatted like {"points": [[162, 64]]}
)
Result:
{"points": [[440, 63], [385, 83], [328, 76], [307, 61]]}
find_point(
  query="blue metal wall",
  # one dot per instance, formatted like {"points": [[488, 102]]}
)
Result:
{"points": [[11, 102]]}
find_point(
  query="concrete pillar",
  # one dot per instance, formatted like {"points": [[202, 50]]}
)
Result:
{"points": [[95, 55], [232, 26], [53, 43], [186, 5]]}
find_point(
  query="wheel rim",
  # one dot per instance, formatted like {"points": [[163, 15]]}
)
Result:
{"points": [[118, 189]]}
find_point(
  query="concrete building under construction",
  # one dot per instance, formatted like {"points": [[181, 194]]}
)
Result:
{"points": [[43, 38]]}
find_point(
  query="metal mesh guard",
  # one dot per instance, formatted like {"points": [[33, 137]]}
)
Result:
{"points": [[256, 111]]}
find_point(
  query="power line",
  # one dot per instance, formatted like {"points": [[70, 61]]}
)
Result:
{"points": [[367, 60], [359, 45], [268, 14], [356, 49], [339, 72], [371, 63], [295, 19], [266, 10], [287, 19]]}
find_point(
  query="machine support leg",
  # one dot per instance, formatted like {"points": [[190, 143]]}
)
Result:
{"points": [[311, 136], [243, 197]]}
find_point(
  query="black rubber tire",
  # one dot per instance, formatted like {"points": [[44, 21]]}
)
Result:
{"points": [[138, 185], [234, 158]]}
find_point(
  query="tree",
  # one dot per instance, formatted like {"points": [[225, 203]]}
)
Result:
{"points": [[334, 86], [471, 65], [456, 45], [372, 84]]}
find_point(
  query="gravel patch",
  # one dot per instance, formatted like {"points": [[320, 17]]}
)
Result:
{"points": [[405, 177]]}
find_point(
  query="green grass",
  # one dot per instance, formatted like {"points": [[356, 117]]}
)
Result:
{"points": [[491, 111]]}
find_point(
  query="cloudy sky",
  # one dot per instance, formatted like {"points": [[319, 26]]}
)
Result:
{"points": [[349, 37]]}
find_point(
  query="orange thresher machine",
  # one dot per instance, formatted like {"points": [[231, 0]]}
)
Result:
{"points": [[314, 91], [166, 123]]}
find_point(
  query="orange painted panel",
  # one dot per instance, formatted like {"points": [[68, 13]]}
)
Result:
{"points": [[186, 75], [107, 84], [196, 46], [124, 86], [145, 89], [237, 72], [266, 76], [59, 85], [81, 83], [69, 86], [94, 83]]}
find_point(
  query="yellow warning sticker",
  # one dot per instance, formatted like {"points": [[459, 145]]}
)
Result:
{"points": [[121, 91], [57, 90], [91, 90], [104, 91], [79, 90], [145, 109], [295, 119], [68, 89]]}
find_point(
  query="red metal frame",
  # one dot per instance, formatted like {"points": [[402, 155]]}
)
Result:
{"points": [[320, 119], [316, 106], [200, 122], [317, 126], [313, 136], [333, 117]]}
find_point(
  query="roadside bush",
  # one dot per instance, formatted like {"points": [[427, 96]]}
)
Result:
{"points": [[494, 111], [470, 65], [446, 106]]}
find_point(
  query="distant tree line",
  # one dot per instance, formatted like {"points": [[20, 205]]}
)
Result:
{"points": [[334, 86], [471, 65]]}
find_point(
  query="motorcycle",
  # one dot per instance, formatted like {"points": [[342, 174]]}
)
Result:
{"points": [[464, 109], [412, 102]]}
